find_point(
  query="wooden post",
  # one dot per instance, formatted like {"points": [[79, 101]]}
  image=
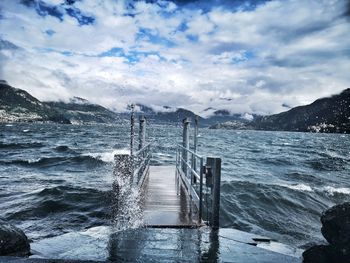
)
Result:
{"points": [[142, 132], [185, 144], [215, 164]]}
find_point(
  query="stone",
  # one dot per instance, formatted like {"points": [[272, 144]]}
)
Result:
{"points": [[13, 241], [325, 254], [336, 225], [336, 230]]}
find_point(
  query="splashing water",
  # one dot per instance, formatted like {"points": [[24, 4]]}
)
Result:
{"points": [[126, 207]]}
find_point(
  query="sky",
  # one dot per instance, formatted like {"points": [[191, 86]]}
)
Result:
{"points": [[253, 57]]}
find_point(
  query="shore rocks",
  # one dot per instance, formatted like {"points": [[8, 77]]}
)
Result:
{"points": [[13, 242], [336, 225], [336, 230]]}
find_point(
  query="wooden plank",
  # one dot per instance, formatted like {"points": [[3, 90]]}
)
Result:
{"points": [[162, 205]]}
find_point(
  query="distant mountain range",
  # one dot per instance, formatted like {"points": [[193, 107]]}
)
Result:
{"points": [[17, 105], [324, 115]]}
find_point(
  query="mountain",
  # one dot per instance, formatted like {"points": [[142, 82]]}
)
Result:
{"points": [[17, 105], [167, 115], [79, 110], [219, 116], [170, 115], [324, 115]]}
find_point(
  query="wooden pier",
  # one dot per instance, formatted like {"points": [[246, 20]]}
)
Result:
{"points": [[173, 196], [163, 206]]}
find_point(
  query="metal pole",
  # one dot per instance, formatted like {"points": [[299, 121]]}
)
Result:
{"points": [[195, 142], [132, 129], [142, 132], [195, 134], [215, 164], [185, 143], [200, 192]]}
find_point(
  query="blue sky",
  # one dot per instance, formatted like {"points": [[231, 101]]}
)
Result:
{"points": [[244, 56]]}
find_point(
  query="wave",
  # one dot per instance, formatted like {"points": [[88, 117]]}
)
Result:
{"points": [[328, 163], [20, 145], [63, 148], [61, 199], [108, 157], [298, 187], [332, 190], [60, 206], [55, 161]]}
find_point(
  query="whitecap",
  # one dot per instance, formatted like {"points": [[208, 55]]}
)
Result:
{"points": [[332, 190], [108, 157], [299, 187]]}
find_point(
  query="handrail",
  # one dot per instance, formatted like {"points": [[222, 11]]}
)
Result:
{"points": [[191, 152], [142, 149], [194, 192], [140, 164]]}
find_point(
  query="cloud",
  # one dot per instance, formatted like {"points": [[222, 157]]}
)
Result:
{"points": [[243, 56]]}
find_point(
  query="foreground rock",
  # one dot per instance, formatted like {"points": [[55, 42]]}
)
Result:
{"points": [[336, 225], [336, 230], [13, 242]]}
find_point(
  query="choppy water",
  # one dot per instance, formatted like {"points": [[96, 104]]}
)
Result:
{"points": [[57, 178]]}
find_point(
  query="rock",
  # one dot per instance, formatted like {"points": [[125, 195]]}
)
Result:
{"points": [[336, 230], [336, 225], [325, 254], [13, 242], [316, 253]]}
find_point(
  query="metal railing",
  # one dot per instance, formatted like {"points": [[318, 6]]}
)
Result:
{"points": [[140, 164], [191, 171], [135, 166], [191, 176]]}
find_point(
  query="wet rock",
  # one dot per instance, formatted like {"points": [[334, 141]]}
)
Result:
{"points": [[336, 230], [325, 254], [336, 225], [13, 242]]}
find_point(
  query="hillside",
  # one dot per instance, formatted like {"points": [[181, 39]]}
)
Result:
{"points": [[79, 110], [17, 105], [324, 115]]}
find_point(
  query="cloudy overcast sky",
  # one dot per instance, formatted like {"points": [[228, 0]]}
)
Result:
{"points": [[244, 56]]}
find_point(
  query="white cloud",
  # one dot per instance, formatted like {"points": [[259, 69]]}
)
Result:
{"points": [[282, 52]]}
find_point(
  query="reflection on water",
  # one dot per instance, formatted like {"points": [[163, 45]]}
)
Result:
{"points": [[167, 244]]}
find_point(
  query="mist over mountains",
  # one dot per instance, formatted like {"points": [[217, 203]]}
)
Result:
{"points": [[324, 115]]}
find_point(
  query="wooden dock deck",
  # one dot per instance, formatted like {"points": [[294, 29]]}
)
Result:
{"points": [[162, 205]]}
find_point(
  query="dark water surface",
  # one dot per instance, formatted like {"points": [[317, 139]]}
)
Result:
{"points": [[57, 178]]}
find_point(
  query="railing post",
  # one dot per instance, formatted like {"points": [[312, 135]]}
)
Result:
{"points": [[201, 172], [142, 132], [215, 164], [194, 163], [132, 129], [195, 134], [185, 144]]}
